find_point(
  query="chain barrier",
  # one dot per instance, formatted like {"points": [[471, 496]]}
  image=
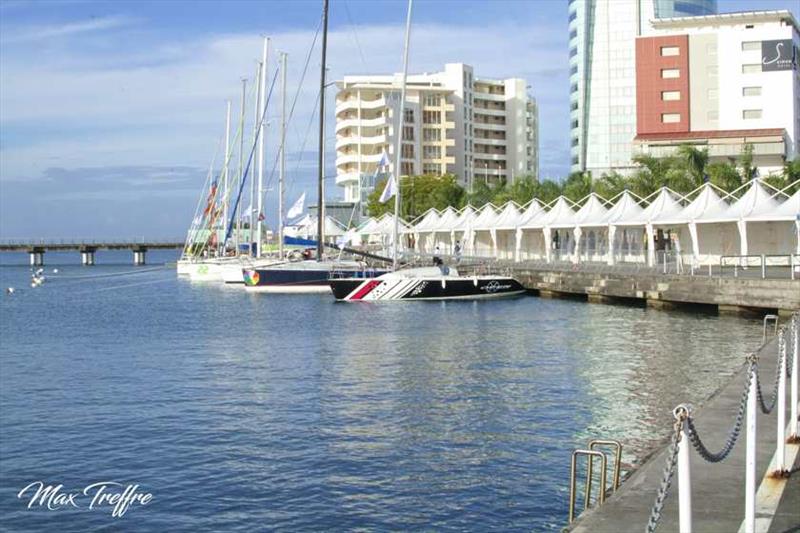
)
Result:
{"points": [[669, 471], [774, 400], [733, 436]]}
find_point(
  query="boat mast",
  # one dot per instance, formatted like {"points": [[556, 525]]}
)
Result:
{"points": [[262, 108], [399, 140], [225, 199], [320, 161], [241, 162], [256, 109], [283, 154]]}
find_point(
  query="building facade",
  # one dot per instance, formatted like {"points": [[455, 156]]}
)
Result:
{"points": [[455, 123], [721, 82], [602, 56]]}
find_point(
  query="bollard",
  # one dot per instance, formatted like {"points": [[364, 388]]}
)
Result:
{"points": [[681, 413], [780, 453], [796, 351], [750, 453]]}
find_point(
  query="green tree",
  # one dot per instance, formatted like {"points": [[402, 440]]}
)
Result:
{"points": [[548, 190], [418, 194], [724, 176], [748, 170], [578, 185], [652, 174], [694, 162], [610, 185]]}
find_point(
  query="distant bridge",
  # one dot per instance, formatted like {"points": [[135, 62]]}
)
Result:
{"points": [[87, 248]]}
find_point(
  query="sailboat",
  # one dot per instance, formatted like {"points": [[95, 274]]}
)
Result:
{"points": [[304, 276], [438, 282]]}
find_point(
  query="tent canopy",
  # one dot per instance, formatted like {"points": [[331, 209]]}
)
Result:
{"points": [[706, 205], [485, 217], [508, 218], [756, 201], [591, 213], [787, 211], [427, 222], [560, 212], [626, 208]]}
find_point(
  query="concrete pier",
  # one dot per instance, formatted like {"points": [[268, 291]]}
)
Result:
{"points": [[718, 490], [139, 255], [87, 255], [36, 255]]}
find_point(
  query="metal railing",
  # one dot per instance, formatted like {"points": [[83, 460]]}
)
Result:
{"points": [[590, 453], [763, 266], [685, 435]]}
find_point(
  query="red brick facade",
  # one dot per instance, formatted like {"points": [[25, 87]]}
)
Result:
{"points": [[650, 107]]}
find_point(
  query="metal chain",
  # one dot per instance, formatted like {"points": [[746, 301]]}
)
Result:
{"points": [[774, 400], [669, 471], [733, 436]]}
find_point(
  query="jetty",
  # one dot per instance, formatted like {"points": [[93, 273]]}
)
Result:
{"points": [[734, 468], [87, 248]]}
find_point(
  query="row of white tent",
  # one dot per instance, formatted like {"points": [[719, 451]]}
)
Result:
{"points": [[703, 226]]}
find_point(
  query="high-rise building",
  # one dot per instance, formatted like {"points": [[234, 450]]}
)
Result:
{"points": [[602, 60], [455, 123], [722, 83]]}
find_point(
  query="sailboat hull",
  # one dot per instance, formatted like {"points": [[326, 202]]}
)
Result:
{"points": [[303, 277], [443, 288]]}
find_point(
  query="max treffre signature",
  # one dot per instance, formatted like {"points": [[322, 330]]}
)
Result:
{"points": [[104, 494]]}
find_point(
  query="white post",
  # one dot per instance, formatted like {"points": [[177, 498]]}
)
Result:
{"points": [[780, 453], [684, 483], [283, 154], [796, 350], [262, 107], [750, 458]]}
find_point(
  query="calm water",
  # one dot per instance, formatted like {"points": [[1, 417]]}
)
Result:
{"points": [[248, 412]]}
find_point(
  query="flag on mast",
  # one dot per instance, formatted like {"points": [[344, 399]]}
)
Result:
{"points": [[389, 191], [297, 208], [383, 163]]}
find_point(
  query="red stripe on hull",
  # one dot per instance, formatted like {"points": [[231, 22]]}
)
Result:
{"points": [[366, 289]]}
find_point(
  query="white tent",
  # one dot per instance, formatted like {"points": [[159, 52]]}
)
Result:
{"points": [[591, 214], [560, 213], [442, 228], [306, 228], [755, 202], [503, 230], [778, 227], [625, 208], [462, 227], [481, 243], [530, 243], [422, 229], [705, 206], [663, 207], [381, 231]]}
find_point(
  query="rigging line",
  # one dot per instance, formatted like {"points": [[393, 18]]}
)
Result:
{"points": [[294, 101], [303, 145], [194, 226], [115, 287], [354, 30], [56, 277]]}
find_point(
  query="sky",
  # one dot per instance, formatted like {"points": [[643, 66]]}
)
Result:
{"points": [[112, 113]]}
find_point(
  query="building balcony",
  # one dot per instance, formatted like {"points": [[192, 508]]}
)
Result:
{"points": [[346, 178], [488, 126], [354, 158], [492, 157], [353, 104], [484, 140], [489, 96], [491, 111], [356, 140], [364, 123]]}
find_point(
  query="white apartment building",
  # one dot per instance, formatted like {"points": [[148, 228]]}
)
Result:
{"points": [[602, 57], [721, 82], [455, 123]]}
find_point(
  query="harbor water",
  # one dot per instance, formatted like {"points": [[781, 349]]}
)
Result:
{"points": [[251, 412]]}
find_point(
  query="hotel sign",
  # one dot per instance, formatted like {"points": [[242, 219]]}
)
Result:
{"points": [[778, 55]]}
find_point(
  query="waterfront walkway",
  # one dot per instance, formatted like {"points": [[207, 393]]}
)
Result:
{"points": [[718, 490]]}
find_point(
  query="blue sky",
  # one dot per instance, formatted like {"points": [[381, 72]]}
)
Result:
{"points": [[111, 112]]}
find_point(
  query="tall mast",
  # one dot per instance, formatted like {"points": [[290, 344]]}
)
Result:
{"points": [[399, 140], [262, 108], [320, 162], [225, 199], [283, 154], [256, 109], [241, 161]]}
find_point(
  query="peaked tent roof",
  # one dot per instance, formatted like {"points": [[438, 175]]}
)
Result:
{"points": [[663, 207], [533, 210], [788, 210], [508, 218], [485, 217], [465, 219], [707, 204], [428, 221], [590, 214], [559, 211], [308, 226], [626, 208], [756, 201], [383, 226], [446, 220]]}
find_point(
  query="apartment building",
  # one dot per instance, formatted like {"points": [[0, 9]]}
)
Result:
{"points": [[454, 123], [602, 35], [721, 82]]}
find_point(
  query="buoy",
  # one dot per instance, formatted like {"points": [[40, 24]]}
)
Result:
{"points": [[10, 290], [55, 271]]}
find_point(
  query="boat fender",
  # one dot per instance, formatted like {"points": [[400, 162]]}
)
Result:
{"points": [[475, 280]]}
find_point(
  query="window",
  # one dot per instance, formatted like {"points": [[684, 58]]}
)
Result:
{"points": [[407, 151], [432, 100], [573, 34], [573, 52], [670, 118], [670, 73], [751, 68], [574, 124], [572, 16], [408, 133], [751, 45], [751, 91], [573, 106], [573, 88], [670, 96], [751, 113], [573, 70], [574, 141], [409, 115], [670, 51], [432, 135], [432, 117], [431, 152]]}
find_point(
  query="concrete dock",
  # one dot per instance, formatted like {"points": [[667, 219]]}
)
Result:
{"points": [[718, 490]]}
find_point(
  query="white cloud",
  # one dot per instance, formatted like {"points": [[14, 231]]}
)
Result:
{"points": [[50, 31]]}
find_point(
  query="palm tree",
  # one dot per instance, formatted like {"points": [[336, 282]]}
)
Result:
{"points": [[694, 162]]}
